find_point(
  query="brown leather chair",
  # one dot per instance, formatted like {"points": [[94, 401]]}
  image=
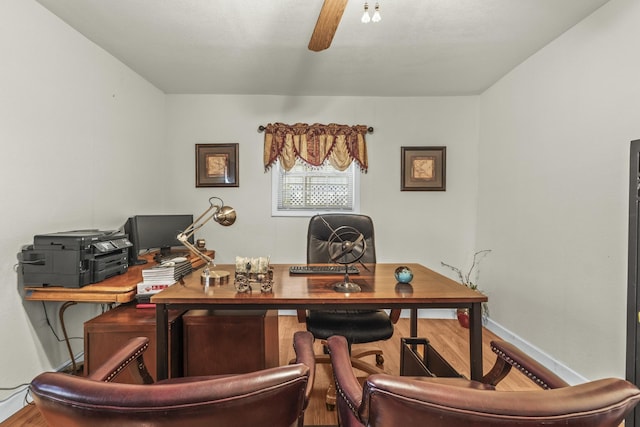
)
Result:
{"points": [[274, 397], [387, 400]]}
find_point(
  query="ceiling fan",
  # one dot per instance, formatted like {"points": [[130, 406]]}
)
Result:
{"points": [[327, 24]]}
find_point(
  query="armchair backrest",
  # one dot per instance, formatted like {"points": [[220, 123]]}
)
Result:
{"points": [[246, 400], [275, 397], [387, 400], [407, 402], [319, 234]]}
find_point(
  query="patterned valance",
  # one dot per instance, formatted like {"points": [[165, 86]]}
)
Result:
{"points": [[315, 144]]}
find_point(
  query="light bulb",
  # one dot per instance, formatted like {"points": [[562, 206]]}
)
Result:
{"points": [[376, 15], [365, 16]]}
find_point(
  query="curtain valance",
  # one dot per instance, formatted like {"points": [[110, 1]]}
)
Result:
{"points": [[315, 144]]}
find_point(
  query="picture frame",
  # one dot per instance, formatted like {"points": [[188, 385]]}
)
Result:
{"points": [[423, 168], [217, 165]]}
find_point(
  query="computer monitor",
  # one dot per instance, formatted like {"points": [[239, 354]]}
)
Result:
{"points": [[147, 232]]}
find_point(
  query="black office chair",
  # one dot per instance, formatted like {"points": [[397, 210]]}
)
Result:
{"points": [[357, 326]]}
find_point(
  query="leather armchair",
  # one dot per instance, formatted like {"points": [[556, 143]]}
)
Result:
{"points": [[387, 400], [274, 397], [357, 326]]}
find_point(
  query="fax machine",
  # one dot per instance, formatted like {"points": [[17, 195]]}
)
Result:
{"points": [[73, 258]]}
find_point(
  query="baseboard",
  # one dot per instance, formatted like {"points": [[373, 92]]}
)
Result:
{"points": [[13, 403], [20, 397], [561, 370]]}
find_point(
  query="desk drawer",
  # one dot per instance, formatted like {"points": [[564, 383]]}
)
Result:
{"points": [[105, 334], [230, 341]]}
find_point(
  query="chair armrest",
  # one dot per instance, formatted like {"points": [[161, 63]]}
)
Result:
{"points": [[394, 315], [349, 390], [119, 361], [509, 356], [302, 316], [303, 346]]}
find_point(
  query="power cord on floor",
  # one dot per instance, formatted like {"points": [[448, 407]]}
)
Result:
{"points": [[19, 389]]}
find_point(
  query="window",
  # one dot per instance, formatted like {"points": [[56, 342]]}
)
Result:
{"points": [[306, 190]]}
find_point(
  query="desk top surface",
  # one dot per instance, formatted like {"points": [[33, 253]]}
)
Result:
{"points": [[296, 290], [121, 288]]}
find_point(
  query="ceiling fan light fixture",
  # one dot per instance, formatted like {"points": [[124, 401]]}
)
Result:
{"points": [[365, 16], [376, 15]]}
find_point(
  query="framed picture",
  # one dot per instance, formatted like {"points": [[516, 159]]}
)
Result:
{"points": [[217, 165], [423, 168]]}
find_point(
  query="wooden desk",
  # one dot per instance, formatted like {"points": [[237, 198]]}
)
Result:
{"points": [[117, 289], [428, 289]]}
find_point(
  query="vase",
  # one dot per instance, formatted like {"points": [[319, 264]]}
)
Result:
{"points": [[463, 317]]}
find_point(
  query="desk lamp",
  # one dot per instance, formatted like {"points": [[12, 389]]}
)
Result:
{"points": [[223, 215]]}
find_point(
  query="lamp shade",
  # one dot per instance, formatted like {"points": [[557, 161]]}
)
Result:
{"points": [[226, 216]]}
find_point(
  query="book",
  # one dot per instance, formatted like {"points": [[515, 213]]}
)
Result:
{"points": [[166, 273], [151, 288]]}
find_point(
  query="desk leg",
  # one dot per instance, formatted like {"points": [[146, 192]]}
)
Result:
{"points": [[475, 341], [162, 340], [66, 336], [413, 326], [413, 323]]}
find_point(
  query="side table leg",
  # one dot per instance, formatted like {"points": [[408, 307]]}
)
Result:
{"points": [[63, 307]]}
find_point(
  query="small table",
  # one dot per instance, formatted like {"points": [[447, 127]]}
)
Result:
{"points": [[428, 289]]}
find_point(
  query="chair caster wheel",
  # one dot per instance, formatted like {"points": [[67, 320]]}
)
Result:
{"points": [[330, 407], [379, 360]]}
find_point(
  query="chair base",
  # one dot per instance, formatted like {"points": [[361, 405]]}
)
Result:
{"points": [[356, 363]]}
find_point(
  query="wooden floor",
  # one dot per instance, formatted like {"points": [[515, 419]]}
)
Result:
{"points": [[446, 336]]}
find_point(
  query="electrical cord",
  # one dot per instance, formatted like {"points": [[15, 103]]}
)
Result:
{"points": [[22, 388], [46, 316], [25, 386], [28, 400]]}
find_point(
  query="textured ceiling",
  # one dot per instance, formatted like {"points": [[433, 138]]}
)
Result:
{"points": [[420, 48]]}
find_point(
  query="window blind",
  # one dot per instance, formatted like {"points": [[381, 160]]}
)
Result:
{"points": [[306, 188]]}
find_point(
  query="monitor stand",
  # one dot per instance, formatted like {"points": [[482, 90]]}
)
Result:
{"points": [[167, 253], [134, 259]]}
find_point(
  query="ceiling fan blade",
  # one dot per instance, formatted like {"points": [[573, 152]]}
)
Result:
{"points": [[327, 24]]}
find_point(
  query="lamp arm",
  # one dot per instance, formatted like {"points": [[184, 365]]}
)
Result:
{"points": [[195, 226], [207, 259], [223, 215]]}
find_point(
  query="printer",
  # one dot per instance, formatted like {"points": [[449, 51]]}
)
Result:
{"points": [[73, 258]]}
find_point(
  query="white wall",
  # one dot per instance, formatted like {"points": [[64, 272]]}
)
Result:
{"points": [[82, 140], [423, 227], [86, 143], [554, 155]]}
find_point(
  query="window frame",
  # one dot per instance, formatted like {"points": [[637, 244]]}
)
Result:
{"points": [[276, 170]]}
